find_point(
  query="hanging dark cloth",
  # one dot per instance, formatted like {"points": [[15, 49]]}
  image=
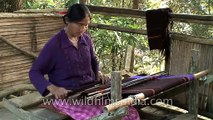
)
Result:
{"points": [[157, 22]]}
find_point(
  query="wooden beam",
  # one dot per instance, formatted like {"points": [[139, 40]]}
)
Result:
{"points": [[116, 28], [204, 19], [184, 117], [189, 38], [110, 11], [28, 15], [16, 88], [29, 53], [117, 11], [27, 101], [190, 18]]}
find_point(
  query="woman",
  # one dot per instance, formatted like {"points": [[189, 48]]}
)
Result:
{"points": [[69, 61]]}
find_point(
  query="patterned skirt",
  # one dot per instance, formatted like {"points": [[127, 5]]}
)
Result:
{"points": [[81, 110]]}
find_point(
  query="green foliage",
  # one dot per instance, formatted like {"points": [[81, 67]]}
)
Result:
{"points": [[110, 45], [201, 7], [45, 4]]}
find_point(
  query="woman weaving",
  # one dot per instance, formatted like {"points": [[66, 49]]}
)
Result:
{"points": [[70, 63]]}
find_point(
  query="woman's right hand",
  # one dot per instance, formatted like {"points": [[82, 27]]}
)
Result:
{"points": [[58, 92]]}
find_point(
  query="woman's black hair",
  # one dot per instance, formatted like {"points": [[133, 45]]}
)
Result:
{"points": [[76, 13]]}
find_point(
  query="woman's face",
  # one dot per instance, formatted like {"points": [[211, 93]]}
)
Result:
{"points": [[76, 29]]}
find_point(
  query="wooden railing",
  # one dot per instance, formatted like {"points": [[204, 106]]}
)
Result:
{"points": [[121, 12]]}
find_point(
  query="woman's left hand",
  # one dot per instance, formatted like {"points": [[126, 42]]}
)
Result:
{"points": [[103, 78]]}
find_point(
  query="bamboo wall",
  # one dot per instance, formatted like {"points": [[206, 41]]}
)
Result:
{"points": [[181, 47], [28, 33]]}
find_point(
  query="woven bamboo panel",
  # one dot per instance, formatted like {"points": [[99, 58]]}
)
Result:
{"points": [[180, 64], [27, 33]]}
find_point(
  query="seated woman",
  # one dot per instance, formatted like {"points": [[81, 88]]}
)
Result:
{"points": [[70, 63]]}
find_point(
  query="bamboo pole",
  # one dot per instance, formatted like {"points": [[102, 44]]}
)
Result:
{"points": [[124, 102], [130, 100], [201, 74]]}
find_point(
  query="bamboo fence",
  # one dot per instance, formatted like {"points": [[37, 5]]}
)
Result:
{"points": [[22, 36]]}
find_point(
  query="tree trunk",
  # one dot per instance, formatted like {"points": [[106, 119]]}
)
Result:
{"points": [[11, 5], [83, 1], [122, 3], [135, 4], [113, 57]]}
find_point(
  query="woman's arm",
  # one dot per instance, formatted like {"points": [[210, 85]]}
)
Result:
{"points": [[41, 66]]}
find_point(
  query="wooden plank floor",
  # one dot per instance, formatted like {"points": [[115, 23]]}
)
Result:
{"points": [[7, 115], [162, 111], [42, 112]]}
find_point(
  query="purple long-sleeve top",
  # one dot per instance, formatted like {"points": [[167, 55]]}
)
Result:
{"points": [[65, 65]]}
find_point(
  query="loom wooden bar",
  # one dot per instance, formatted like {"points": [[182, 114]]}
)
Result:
{"points": [[141, 96], [124, 102], [201, 74], [194, 86]]}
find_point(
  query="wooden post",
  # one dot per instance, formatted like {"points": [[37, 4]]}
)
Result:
{"points": [[116, 95], [116, 90], [210, 95], [129, 57], [193, 88]]}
